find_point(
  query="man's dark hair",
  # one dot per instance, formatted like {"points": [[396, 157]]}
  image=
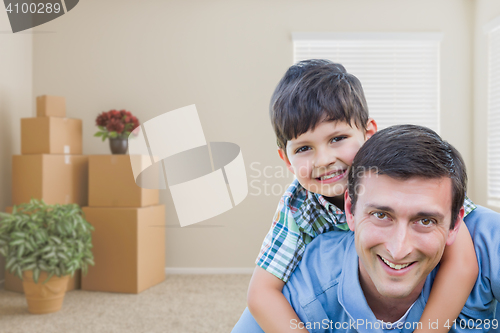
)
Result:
{"points": [[312, 91], [407, 151]]}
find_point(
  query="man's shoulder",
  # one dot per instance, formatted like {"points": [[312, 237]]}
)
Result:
{"points": [[481, 219], [483, 225], [322, 263], [329, 244], [314, 287]]}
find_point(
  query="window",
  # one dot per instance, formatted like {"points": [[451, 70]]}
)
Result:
{"points": [[399, 71], [493, 31]]}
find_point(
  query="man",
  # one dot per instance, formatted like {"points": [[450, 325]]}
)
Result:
{"points": [[406, 189]]}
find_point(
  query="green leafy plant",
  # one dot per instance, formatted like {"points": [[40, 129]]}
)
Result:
{"points": [[40, 237]]}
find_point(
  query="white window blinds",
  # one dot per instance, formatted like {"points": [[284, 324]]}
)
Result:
{"points": [[494, 113], [399, 71]]}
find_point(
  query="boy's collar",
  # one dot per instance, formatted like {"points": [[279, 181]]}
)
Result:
{"points": [[327, 204]]}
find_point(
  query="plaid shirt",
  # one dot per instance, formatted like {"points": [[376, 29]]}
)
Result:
{"points": [[301, 216]]}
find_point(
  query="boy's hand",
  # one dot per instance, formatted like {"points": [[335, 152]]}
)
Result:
{"points": [[269, 306]]}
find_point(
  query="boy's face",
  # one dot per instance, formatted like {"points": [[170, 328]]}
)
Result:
{"points": [[320, 158]]}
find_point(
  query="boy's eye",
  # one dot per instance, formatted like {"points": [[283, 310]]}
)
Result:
{"points": [[302, 149], [426, 222], [338, 138]]}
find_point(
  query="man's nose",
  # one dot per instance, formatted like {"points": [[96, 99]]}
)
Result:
{"points": [[399, 245]]}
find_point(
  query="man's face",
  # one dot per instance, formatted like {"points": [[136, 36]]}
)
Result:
{"points": [[401, 228]]}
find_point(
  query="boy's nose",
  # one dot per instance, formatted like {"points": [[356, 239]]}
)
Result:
{"points": [[323, 159]]}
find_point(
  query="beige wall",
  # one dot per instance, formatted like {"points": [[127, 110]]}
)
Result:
{"points": [[226, 57], [486, 10], [16, 54]]}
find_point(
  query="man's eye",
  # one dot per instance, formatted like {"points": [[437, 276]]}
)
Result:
{"points": [[338, 138], [426, 222], [302, 149], [380, 215]]}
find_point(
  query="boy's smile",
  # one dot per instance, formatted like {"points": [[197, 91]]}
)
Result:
{"points": [[320, 158]]}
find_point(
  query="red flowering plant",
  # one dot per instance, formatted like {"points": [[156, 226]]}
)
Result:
{"points": [[115, 124]]}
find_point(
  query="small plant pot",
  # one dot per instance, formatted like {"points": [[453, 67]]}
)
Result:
{"points": [[44, 298], [118, 145]]}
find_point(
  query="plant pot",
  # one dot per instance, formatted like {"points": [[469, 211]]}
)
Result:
{"points": [[118, 145], [44, 298]]}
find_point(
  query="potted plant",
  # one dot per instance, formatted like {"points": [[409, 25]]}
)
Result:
{"points": [[43, 245], [117, 126]]}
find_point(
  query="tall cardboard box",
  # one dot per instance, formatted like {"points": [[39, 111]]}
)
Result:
{"points": [[51, 135], [128, 248], [59, 179], [14, 283], [112, 183], [50, 106]]}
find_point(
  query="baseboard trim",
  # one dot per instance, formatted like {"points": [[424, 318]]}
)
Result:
{"points": [[208, 270]]}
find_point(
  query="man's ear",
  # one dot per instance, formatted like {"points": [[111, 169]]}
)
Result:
{"points": [[452, 235], [348, 211], [283, 156], [371, 128]]}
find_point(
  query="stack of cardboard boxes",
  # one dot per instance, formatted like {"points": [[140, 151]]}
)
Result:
{"points": [[50, 166], [129, 235]]}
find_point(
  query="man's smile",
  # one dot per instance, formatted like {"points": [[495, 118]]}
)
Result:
{"points": [[394, 265]]}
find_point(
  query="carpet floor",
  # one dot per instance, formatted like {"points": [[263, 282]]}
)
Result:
{"points": [[180, 304]]}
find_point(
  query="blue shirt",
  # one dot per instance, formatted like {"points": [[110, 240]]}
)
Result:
{"points": [[325, 292]]}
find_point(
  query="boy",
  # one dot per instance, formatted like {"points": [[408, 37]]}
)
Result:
{"points": [[320, 118]]}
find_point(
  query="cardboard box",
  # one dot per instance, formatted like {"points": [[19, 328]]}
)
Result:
{"points": [[50, 106], [54, 178], [14, 283], [128, 248], [51, 135], [112, 183]]}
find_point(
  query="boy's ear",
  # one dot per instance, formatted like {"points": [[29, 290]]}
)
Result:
{"points": [[348, 210], [452, 235], [283, 156], [371, 128]]}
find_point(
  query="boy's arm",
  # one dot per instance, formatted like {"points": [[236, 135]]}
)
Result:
{"points": [[269, 306], [453, 283]]}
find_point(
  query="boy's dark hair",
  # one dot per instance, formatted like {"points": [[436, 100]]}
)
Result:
{"points": [[407, 151], [312, 91]]}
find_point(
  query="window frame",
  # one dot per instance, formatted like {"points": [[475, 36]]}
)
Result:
{"points": [[386, 115]]}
